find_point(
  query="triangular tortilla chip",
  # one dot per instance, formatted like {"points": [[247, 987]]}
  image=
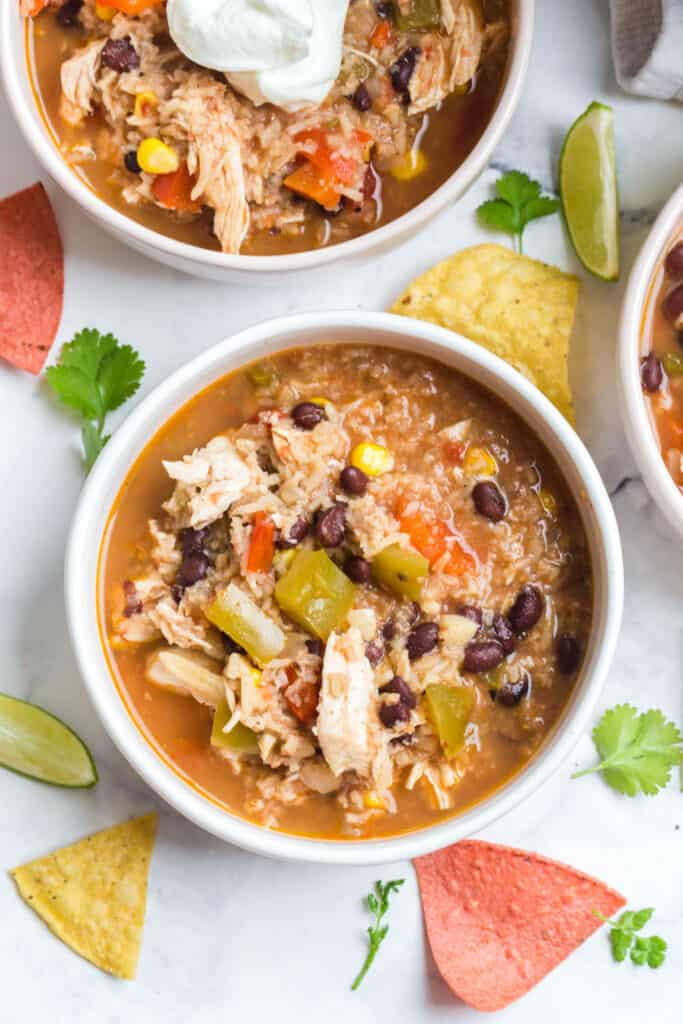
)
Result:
{"points": [[93, 894], [31, 278], [517, 308], [498, 920]]}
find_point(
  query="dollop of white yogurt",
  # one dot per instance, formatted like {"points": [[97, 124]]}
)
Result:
{"points": [[286, 52]]}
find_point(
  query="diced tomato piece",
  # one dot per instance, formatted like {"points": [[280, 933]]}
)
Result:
{"points": [[433, 538], [334, 166], [174, 190], [308, 181], [261, 544], [133, 6], [381, 35], [454, 451], [302, 698]]}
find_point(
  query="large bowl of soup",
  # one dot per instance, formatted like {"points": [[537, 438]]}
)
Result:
{"points": [[171, 159], [651, 361], [345, 588]]}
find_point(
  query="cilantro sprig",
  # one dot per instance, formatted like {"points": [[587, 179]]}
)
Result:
{"points": [[95, 375], [624, 940], [377, 903], [638, 751], [519, 202]]}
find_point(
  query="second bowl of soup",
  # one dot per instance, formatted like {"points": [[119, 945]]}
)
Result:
{"points": [[345, 597]]}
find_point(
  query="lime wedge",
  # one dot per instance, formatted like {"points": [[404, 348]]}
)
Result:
{"points": [[588, 186], [35, 743]]}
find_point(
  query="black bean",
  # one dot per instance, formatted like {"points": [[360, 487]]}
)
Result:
{"points": [[504, 634], [193, 568], [330, 526], [389, 629], [489, 500], [413, 613], [674, 261], [307, 415], [357, 568], [120, 55], [527, 609], [482, 656], [192, 541], [391, 714], [651, 373], [353, 480], [315, 646], [401, 71], [422, 639], [469, 611], [177, 592], [297, 532], [400, 686], [67, 15], [568, 653], [510, 694], [385, 10], [130, 162], [374, 652], [361, 98], [672, 307]]}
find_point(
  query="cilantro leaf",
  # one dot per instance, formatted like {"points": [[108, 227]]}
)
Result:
{"points": [[519, 202], [377, 903], [94, 376], [638, 751], [650, 950]]}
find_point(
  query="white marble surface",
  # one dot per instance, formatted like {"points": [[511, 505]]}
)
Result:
{"points": [[234, 937]]}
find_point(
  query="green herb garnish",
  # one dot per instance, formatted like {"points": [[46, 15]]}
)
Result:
{"points": [[650, 950], [377, 903], [638, 751], [519, 202], [94, 376]]}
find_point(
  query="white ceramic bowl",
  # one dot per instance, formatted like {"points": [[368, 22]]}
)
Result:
{"points": [[636, 414], [250, 269], [259, 342]]}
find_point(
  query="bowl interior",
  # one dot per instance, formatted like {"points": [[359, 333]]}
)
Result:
{"points": [[14, 68], [638, 420], [259, 342]]}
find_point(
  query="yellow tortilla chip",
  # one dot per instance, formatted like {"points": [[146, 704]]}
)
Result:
{"points": [[516, 307], [93, 894]]}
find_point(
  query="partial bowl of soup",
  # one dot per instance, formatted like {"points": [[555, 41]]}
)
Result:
{"points": [[238, 175], [651, 361], [345, 588]]}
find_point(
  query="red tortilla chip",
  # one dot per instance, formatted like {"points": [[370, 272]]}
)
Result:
{"points": [[498, 920], [31, 278]]}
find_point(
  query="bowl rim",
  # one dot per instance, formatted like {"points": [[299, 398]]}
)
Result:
{"points": [[13, 65], [109, 472], [634, 407]]}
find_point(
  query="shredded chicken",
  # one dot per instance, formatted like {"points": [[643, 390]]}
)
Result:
{"points": [[215, 156], [182, 631], [79, 83], [450, 61], [208, 482]]}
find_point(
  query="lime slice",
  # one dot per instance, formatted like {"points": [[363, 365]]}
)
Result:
{"points": [[35, 743], [588, 185]]}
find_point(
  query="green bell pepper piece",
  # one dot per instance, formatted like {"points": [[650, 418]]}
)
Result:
{"points": [[401, 570], [236, 614], [262, 375], [673, 363], [449, 709], [241, 739], [315, 593], [422, 14]]}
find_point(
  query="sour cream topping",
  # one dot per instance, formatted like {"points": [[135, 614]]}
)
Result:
{"points": [[286, 52]]}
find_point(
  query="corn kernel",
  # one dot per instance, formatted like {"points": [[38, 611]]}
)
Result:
{"points": [[256, 677], [372, 801], [479, 462], [548, 501], [104, 12], [373, 459], [144, 103], [155, 157], [409, 166]]}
